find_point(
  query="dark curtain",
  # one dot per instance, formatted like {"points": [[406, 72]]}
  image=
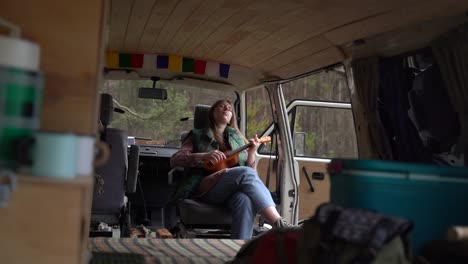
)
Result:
{"points": [[396, 80], [366, 80], [431, 109], [451, 53]]}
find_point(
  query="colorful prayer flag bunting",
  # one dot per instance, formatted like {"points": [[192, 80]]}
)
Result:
{"points": [[175, 63]]}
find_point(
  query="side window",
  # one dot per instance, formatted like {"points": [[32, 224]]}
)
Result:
{"points": [[323, 132], [319, 111], [259, 115], [320, 115]]}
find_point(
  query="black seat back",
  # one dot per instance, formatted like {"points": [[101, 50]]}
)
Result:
{"points": [[118, 175], [109, 195]]}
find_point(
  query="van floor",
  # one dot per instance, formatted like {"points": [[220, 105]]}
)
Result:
{"points": [[154, 250]]}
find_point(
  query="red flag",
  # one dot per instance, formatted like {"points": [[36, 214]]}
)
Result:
{"points": [[137, 60], [199, 67]]}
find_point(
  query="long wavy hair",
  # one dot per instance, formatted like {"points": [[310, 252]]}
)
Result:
{"points": [[232, 123]]}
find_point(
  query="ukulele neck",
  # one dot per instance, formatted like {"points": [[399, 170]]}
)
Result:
{"points": [[233, 152]]}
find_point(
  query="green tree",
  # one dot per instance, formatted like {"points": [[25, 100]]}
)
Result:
{"points": [[155, 119]]}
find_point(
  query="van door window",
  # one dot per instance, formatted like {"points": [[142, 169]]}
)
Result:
{"points": [[259, 115], [320, 113], [322, 131]]}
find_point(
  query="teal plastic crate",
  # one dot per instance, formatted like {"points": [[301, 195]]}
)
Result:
{"points": [[433, 197]]}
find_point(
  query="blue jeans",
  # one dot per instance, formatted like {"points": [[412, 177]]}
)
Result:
{"points": [[245, 194]]}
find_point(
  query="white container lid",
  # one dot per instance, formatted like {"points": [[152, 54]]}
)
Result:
{"points": [[19, 53]]}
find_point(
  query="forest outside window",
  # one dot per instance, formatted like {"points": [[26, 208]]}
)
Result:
{"points": [[319, 113], [158, 121]]}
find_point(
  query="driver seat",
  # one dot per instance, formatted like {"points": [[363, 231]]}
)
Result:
{"points": [[116, 178], [198, 219]]}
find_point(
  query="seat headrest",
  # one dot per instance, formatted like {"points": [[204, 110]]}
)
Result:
{"points": [[200, 117], [107, 109]]}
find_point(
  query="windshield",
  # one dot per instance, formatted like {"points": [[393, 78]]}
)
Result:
{"points": [[153, 121]]}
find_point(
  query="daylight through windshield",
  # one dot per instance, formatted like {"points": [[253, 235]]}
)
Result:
{"points": [[158, 121]]}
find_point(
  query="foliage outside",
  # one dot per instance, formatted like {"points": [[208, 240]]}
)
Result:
{"points": [[158, 120], [328, 132]]}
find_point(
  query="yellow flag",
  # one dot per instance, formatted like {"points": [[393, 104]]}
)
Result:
{"points": [[175, 63], [112, 59]]}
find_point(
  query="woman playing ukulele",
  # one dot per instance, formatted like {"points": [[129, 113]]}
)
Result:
{"points": [[232, 181]]}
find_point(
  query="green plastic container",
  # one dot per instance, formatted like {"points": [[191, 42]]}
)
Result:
{"points": [[433, 197], [20, 104]]}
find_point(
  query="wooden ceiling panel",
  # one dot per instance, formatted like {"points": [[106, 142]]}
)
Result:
{"points": [[400, 41], [274, 37], [310, 63], [192, 24], [139, 17], [226, 10], [173, 23], [272, 44], [263, 12], [264, 31], [119, 16], [228, 26], [308, 47], [405, 15], [316, 21], [160, 13]]}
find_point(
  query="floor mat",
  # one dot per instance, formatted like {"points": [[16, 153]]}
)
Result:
{"points": [[157, 250]]}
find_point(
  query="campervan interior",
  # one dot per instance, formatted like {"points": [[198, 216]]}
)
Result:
{"points": [[328, 81]]}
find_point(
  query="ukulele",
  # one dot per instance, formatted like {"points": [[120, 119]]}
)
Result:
{"points": [[232, 157]]}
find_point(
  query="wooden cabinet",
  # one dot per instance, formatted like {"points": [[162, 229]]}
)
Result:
{"points": [[46, 220], [71, 37]]}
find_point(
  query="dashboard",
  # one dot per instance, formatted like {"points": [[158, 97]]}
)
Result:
{"points": [[157, 151]]}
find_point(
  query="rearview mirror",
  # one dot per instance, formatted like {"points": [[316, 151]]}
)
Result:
{"points": [[152, 93]]}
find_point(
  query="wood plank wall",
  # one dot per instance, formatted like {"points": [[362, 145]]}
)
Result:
{"points": [[47, 221], [70, 36]]}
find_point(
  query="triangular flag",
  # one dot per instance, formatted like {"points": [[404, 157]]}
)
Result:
{"points": [[188, 64], [149, 62], [212, 69], [224, 70], [199, 67], [112, 59], [162, 62], [137, 60], [175, 63]]}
